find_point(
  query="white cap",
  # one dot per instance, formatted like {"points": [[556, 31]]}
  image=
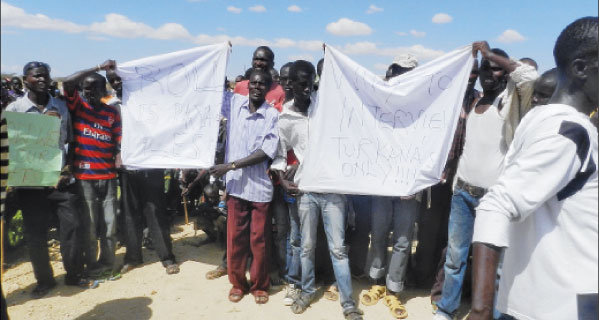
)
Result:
{"points": [[406, 60]]}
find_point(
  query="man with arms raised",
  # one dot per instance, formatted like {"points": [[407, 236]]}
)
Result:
{"points": [[481, 161], [544, 207], [97, 131]]}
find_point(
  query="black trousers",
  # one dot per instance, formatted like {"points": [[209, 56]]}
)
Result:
{"points": [[279, 210], [432, 234], [143, 196], [37, 206]]}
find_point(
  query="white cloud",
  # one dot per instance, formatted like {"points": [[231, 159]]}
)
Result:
{"points": [[402, 34], [294, 8], [441, 18], [17, 17], [510, 36], [347, 27], [369, 48], [381, 66], [418, 34], [312, 45], [373, 8], [284, 43], [257, 8], [117, 25], [307, 57], [233, 9]]}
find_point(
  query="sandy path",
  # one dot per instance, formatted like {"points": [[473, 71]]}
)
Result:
{"points": [[149, 293]]}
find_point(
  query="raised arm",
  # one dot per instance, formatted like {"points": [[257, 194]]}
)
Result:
{"points": [[487, 53], [70, 82]]}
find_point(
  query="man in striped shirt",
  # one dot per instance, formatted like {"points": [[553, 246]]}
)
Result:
{"points": [[97, 132], [252, 139]]}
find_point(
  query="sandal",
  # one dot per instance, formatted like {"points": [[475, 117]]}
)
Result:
{"points": [[301, 304], [235, 295], [372, 296], [353, 313], [260, 297], [331, 293], [217, 273], [172, 268], [397, 309]]}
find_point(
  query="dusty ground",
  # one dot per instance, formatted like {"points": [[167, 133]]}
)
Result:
{"points": [[149, 293]]}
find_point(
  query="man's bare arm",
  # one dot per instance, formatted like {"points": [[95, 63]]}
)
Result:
{"points": [[485, 263], [487, 53], [221, 169], [70, 82]]}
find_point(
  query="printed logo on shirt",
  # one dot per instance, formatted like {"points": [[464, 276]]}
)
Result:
{"points": [[84, 165], [98, 136]]}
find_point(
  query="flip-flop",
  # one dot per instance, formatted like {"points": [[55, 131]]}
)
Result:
{"points": [[331, 293], [260, 297], [216, 273], [235, 295]]}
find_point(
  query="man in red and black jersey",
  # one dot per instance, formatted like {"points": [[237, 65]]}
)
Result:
{"points": [[97, 134]]}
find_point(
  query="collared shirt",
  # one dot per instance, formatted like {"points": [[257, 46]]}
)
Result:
{"points": [[293, 135], [274, 97], [247, 133], [25, 105], [544, 209]]}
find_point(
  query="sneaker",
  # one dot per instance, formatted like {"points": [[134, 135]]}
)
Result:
{"points": [[292, 293]]}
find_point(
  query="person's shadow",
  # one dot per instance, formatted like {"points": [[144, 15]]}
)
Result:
{"points": [[134, 308]]}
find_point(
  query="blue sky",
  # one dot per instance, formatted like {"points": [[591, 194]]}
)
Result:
{"points": [[72, 35]]}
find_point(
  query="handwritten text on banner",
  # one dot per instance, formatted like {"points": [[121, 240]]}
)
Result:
{"points": [[35, 158], [368, 136], [171, 108]]}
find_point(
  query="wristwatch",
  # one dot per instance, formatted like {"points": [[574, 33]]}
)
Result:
{"points": [[233, 165]]}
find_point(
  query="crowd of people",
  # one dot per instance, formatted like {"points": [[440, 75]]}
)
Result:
{"points": [[518, 194]]}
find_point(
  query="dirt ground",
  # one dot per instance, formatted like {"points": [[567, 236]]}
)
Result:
{"points": [[149, 293]]}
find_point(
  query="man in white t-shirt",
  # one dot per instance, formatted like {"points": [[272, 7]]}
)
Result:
{"points": [[481, 160], [544, 207]]}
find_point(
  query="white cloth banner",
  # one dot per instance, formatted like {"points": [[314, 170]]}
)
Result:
{"points": [[171, 108], [368, 136]]}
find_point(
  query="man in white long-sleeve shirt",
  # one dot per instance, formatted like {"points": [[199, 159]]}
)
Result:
{"points": [[544, 207]]}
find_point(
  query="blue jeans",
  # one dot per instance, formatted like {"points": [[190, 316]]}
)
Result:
{"points": [[294, 275], [99, 220], [333, 210], [400, 214], [460, 234]]}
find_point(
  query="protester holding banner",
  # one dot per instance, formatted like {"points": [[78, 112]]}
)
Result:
{"points": [[97, 132], [36, 203], [398, 214], [331, 207], [481, 161], [548, 233], [251, 141]]}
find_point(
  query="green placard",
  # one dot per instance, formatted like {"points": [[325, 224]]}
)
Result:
{"points": [[34, 153]]}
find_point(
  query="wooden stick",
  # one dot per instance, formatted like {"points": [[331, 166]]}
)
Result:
{"points": [[185, 209]]}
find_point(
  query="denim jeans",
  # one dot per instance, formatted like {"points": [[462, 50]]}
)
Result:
{"points": [[99, 220], [460, 234], [400, 214], [294, 275], [333, 210]]}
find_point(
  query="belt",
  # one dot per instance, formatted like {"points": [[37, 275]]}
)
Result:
{"points": [[472, 190]]}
